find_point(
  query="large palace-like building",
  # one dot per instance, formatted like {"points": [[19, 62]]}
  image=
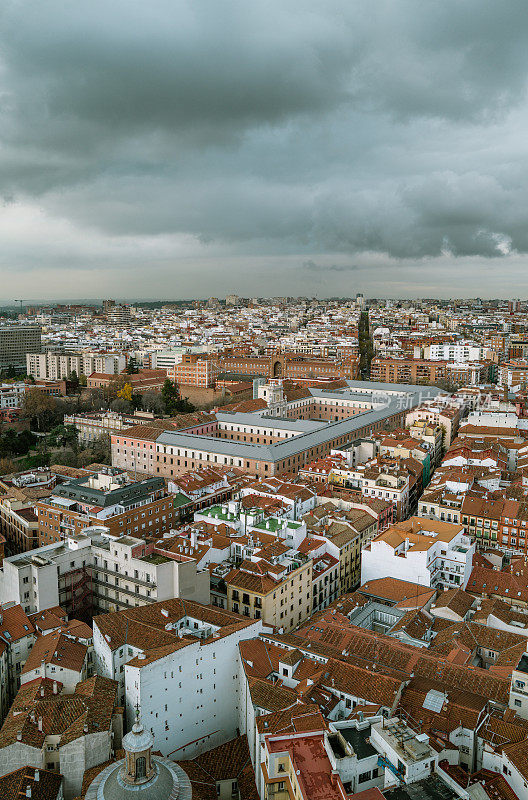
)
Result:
{"points": [[283, 428]]}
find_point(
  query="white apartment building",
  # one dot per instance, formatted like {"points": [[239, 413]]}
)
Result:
{"points": [[424, 551], [453, 351], [298, 499], [446, 416], [253, 521], [59, 366], [493, 419], [12, 394], [97, 570], [179, 662]]}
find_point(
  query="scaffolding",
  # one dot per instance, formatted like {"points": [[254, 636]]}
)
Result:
{"points": [[78, 583]]}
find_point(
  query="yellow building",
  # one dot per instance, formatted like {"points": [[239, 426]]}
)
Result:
{"points": [[274, 592]]}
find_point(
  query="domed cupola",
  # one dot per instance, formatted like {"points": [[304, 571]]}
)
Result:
{"points": [[138, 767], [140, 775]]}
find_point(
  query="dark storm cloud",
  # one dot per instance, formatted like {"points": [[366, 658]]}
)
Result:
{"points": [[264, 129]]}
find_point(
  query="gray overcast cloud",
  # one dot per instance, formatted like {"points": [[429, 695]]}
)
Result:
{"points": [[183, 149]]}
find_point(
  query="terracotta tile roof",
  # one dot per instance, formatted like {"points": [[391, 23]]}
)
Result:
{"points": [[491, 582], [395, 658], [15, 624], [144, 626], [57, 649], [471, 679], [303, 717], [255, 658], [226, 761], [413, 623], [15, 785], [271, 697], [499, 731], [396, 591], [50, 618], [457, 600], [475, 635], [494, 785], [250, 581], [517, 754], [246, 406], [462, 707], [90, 706]]}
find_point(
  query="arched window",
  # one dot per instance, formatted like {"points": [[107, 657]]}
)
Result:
{"points": [[141, 768]]}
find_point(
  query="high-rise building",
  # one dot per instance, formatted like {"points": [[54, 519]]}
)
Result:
{"points": [[118, 315], [16, 341]]}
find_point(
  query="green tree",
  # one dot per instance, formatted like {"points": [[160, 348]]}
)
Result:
{"points": [[136, 401], [68, 458], [171, 397], [132, 367], [63, 436], [101, 449]]}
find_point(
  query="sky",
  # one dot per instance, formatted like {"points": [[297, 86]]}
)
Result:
{"points": [[180, 148]]}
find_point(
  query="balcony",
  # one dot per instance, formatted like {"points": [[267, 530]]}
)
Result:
{"points": [[139, 581]]}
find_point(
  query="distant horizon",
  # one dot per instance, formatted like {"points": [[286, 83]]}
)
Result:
{"points": [[333, 298]]}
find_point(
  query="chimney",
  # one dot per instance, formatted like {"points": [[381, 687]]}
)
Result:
{"points": [[36, 776], [40, 724], [28, 791], [55, 687]]}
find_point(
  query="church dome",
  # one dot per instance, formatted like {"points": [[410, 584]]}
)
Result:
{"points": [[140, 775], [169, 782], [138, 739]]}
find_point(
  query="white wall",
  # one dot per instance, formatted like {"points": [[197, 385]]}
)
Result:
{"points": [[378, 561], [189, 699]]}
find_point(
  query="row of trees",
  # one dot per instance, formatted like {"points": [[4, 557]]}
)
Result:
{"points": [[366, 347]]}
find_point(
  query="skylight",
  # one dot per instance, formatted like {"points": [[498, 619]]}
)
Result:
{"points": [[434, 700]]}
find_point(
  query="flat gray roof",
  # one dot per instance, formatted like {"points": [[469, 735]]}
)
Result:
{"points": [[257, 420], [405, 397], [287, 448]]}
